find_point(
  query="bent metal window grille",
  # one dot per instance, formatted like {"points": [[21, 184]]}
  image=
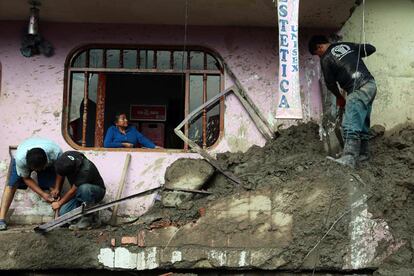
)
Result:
{"points": [[157, 87]]}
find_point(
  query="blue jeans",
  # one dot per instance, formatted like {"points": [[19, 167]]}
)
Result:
{"points": [[46, 178], [357, 117], [88, 193]]}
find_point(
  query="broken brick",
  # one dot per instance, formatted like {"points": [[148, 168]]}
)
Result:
{"points": [[160, 224], [202, 211], [129, 240], [102, 237], [141, 238]]}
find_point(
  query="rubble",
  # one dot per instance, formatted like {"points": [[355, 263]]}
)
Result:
{"points": [[197, 173], [295, 211], [304, 194]]}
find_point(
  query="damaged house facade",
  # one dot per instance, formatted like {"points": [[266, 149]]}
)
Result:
{"points": [[158, 61]]}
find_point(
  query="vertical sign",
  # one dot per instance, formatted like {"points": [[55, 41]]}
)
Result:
{"points": [[289, 104]]}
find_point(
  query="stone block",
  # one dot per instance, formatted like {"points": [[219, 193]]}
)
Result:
{"points": [[185, 174], [148, 258], [124, 258], [268, 258], [188, 173], [175, 199]]}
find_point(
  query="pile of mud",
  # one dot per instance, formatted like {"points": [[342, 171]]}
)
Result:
{"points": [[294, 165]]}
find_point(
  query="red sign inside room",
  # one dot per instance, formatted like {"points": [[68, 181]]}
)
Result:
{"points": [[148, 113]]}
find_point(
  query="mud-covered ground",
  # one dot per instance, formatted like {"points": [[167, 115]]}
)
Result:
{"points": [[315, 192], [296, 161]]}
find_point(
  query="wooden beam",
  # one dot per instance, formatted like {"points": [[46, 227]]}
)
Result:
{"points": [[100, 110], [85, 108], [258, 117]]}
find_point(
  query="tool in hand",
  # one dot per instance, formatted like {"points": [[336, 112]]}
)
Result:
{"points": [[57, 210], [85, 210]]}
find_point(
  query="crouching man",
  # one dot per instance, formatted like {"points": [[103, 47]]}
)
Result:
{"points": [[33, 154], [87, 186]]}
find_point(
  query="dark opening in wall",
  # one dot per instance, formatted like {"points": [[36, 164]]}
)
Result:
{"points": [[155, 86]]}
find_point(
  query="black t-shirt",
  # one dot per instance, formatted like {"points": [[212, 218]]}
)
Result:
{"points": [[339, 64], [87, 174]]}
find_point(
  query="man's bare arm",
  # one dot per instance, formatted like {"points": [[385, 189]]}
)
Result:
{"points": [[35, 188], [66, 197], [55, 191]]}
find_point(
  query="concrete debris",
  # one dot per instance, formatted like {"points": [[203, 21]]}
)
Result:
{"points": [[296, 211], [185, 174], [292, 195]]}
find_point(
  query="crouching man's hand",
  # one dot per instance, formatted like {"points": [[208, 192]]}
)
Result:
{"points": [[56, 205], [47, 197], [54, 192]]}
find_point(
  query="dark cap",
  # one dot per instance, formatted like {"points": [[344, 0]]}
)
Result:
{"points": [[68, 163]]}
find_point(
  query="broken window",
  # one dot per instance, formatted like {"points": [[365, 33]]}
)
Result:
{"points": [[156, 87]]}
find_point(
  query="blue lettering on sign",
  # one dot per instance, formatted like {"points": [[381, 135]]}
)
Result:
{"points": [[283, 11], [283, 102], [284, 66], [284, 52], [284, 86], [284, 40], [295, 51], [282, 24]]}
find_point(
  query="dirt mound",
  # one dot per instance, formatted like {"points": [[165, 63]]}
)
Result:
{"points": [[294, 165], [296, 150], [295, 211], [391, 176]]}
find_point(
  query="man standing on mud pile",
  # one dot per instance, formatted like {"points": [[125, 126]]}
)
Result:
{"points": [[34, 154], [87, 187], [342, 63]]}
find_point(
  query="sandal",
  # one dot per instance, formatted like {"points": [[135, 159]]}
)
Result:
{"points": [[3, 225]]}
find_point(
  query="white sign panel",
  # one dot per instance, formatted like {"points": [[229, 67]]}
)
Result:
{"points": [[289, 104]]}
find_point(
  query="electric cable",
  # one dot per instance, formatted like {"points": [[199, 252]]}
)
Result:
{"points": [[361, 42]]}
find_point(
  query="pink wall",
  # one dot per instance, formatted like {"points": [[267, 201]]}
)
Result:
{"points": [[32, 90]]}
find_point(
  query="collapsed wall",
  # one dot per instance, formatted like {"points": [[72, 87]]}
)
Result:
{"points": [[295, 210]]}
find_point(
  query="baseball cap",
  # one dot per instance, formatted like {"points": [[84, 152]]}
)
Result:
{"points": [[68, 163]]}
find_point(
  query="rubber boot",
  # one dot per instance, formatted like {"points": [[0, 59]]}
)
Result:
{"points": [[3, 225], [350, 154], [364, 151], [96, 220], [83, 224]]}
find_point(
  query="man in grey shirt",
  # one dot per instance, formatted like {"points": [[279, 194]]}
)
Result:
{"points": [[33, 154]]}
